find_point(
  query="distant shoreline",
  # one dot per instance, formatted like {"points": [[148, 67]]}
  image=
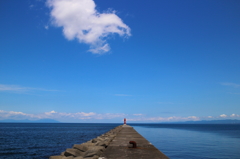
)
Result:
{"points": [[227, 121]]}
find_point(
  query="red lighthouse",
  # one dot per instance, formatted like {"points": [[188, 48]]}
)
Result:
{"points": [[125, 121]]}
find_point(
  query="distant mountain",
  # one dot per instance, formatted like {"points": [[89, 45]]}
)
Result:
{"points": [[29, 121]]}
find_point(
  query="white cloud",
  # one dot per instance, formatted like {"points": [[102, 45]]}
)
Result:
{"points": [[99, 49], [166, 119], [78, 116], [86, 114], [58, 115], [16, 113], [234, 115], [193, 118], [223, 116], [231, 84], [80, 20], [13, 115], [50, 113]]}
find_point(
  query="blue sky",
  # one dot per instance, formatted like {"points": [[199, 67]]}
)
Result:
{"points": [[101, 61]]}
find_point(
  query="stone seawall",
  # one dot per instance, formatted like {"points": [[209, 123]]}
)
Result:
{"points": [[91, 149], [129, 144]]}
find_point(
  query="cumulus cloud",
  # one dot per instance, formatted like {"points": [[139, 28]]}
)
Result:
{"points": [[223, 116], [50, 113], [80, 20], [234, 115]]}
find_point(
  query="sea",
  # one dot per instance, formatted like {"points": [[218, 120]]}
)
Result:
{"points": [[177, 141]]}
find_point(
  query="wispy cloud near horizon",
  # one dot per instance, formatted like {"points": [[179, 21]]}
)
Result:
{"points": [[89, 116], [230, 84], [80, 20], [19, 89], [165, 119], [58, 115]]}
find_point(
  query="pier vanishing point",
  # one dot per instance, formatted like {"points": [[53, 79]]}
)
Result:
{"points": [[122, 142]]}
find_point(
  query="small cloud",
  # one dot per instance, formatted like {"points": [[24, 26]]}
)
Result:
{"points": [[230, 84], [50, 113], [100, 49], [234, 115], [46, 27], [80, 20], [123, 95], [86, 114], [210, 117], [194, 118], [223, 116]]}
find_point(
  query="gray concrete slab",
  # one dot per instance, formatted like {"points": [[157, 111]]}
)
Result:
{"points": [[119, 148]]}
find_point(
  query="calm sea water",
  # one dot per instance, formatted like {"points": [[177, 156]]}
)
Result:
{"points": [[39, 141], [177, 141], [194, 141]]}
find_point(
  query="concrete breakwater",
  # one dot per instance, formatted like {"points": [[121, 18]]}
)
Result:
{"points": [[122, 142], [91, 149]]}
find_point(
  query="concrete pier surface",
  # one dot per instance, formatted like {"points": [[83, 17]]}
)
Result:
{"points": [[120, 148]]}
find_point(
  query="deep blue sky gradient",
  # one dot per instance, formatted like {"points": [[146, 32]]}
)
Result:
{"points": [[174, 64]]}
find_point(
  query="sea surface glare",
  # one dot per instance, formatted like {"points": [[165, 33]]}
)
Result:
{"points": [[177, 141]]}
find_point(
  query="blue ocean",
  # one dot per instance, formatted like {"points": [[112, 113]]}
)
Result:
{"points": [[177, 141]]}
